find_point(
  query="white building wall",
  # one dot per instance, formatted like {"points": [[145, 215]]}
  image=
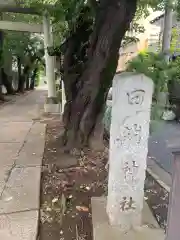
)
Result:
{"points": [[155, 33], [151, 39]]}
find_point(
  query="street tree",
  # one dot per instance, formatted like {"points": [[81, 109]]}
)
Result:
{"points": [[95, 31]]}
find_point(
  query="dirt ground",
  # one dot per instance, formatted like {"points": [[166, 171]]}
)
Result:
{"points": [[67, 187]]}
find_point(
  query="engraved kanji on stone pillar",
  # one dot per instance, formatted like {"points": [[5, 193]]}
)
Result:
{"points": [[132, 98]]}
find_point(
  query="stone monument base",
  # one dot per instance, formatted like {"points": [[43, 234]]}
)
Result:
{"points": [[52, 108], [102, 230]]}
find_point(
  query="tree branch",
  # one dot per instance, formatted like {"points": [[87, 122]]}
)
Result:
{"points": [[94, 4]]}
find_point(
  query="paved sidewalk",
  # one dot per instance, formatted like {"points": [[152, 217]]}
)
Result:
{"points": [[21, 151]]}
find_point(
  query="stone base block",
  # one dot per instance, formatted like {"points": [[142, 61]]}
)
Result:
{"points": [[52, 108], [102, 230]]}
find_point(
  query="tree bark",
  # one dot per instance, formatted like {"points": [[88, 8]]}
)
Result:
{"points": [[33, 78], [27, 82], [4, 77], [87, 100], [1, 94], [21, 84], [27, 69], [7, 83], [23, 79], [20, 78]]}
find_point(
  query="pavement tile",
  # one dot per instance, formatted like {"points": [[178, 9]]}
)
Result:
{"points": [[22, 190], [30, 157], [37, 130], [21, 145], [4, 175], [22, 177], [8, 153], [2, 182], [33, 149], [14, 131], [19, 226]]}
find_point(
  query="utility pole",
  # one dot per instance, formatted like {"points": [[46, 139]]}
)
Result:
{"points": [[166, 44], [168, 22]]}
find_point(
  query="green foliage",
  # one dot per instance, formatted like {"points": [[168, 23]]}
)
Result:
{"points": [[176, 65], [154, 66], [21, 44], [64, 13], [175, 45]]}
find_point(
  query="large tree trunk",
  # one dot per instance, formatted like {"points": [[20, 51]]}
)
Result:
{"points": [[33, 78], [20, 77], [27, 82], [1, 94], [1, 85], [23, 79], [7, 83], [4, 77], [26, 75], [21, 84], [86, 98]]}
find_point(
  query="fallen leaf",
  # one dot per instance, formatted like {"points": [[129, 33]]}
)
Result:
{"points": [[48, 209], [82, 208], [9, 199], [55, 200]]}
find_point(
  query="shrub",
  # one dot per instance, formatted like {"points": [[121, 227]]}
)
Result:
{"points": [[154, 66]]}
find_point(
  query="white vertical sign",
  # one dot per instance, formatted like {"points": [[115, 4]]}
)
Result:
{"points": [[132, 98]]}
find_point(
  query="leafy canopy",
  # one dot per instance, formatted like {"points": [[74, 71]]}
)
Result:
{"points": [[65, 12], [64, 15]]}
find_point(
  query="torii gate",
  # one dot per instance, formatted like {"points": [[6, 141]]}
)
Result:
{"points": [[45, 28]]}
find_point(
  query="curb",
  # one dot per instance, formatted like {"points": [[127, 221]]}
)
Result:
{"points": [[158, 180]]}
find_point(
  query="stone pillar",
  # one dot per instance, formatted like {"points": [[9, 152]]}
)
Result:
{"points": [[131, 104], [50, 61]]}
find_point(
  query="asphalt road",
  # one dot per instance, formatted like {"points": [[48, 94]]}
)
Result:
{"points": [[158, 148]]}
